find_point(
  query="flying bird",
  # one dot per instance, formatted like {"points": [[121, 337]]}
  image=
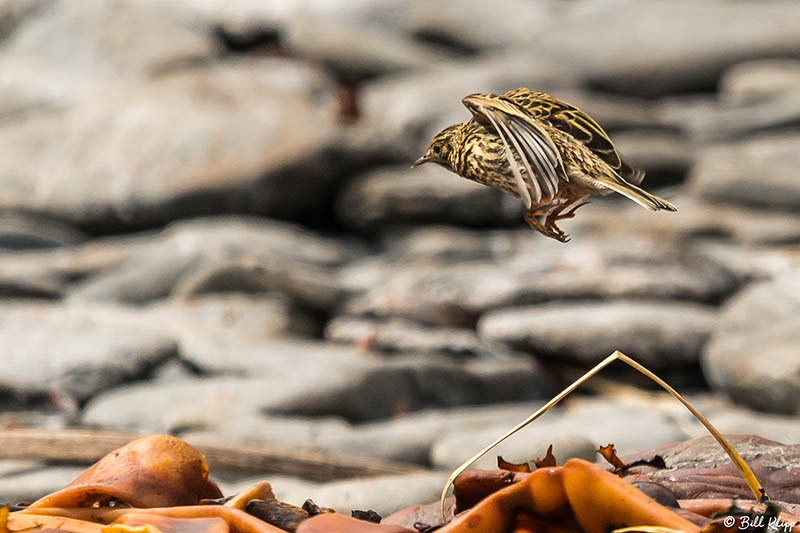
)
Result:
{"points": [[540, 149]]}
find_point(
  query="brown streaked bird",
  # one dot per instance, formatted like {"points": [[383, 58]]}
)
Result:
{"points": [[540, 149]]}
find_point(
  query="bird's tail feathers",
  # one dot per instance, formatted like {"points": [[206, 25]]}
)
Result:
{"points": [[640, 196]]}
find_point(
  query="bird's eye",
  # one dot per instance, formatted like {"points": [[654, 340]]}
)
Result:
{"points": [[437, 149]]}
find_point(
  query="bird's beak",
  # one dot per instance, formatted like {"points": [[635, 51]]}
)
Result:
{"points": [[421, 160]]}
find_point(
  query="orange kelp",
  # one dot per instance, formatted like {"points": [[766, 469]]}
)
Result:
{"points": [[154, 471], [155, 485]]}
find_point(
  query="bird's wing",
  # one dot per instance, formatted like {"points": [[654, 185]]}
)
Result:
{"points": [[518, 130], [579, 125]]}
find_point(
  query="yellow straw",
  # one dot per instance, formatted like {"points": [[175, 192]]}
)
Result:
{"points": [[758, 491]]}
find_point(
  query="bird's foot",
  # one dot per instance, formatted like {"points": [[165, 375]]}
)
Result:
{"points": [[548, 230]]}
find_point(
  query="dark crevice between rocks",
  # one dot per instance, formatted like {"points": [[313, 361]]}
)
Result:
{"points": [[707, 88], [12, 400], [445, 41], [262, 41], [107, 378], [686, 378]]}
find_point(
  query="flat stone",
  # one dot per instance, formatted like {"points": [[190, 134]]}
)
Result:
{"points": [[679, 46], [382, 494], [30, 285], [125, 39], [736, 420], [665, 156], [446, 244], [75, 351], [756, 80], [758, 172], [403, 336], [231, 110], [354, 49], [310, 286], [455, 24], [658, 334], [710, 121], [278, 432], [696, 218], [449, 294], [574, 431], [13, 13], [195, 256], [310, 379], [218, 321], [70, 263], [451, 451], [752, 354], [656, 266], [426, 101], [429, 194], [23, 232], [30, 484]]}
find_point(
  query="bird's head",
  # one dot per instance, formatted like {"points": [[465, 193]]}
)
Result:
{"points": [[444, 148]]}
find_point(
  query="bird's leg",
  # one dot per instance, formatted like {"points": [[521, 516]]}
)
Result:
{"points": [[556, 214], [551, 231]]}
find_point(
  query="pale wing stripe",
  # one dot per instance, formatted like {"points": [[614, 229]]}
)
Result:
{"points": [[521, 185], [534, 152], [542, 155], [523, 155]]}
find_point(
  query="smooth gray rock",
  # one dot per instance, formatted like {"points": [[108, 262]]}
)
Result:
{"points": [[752, 355], [450, 451], [668, 46], [32, 482], [219, 321], [576, 430], [757, 80], [126, 38], [708, 121], [185, 258], [279, 432], [356, 50], [310, 286], [758, 172], [13, 13], [399, 196], [656, 333], [71, 263], [410, 437], [732, 419], [696, 219], [310, 379], [540, 270], [664, 156], [447, 244], [395, 336], [30, 285], [19, 231], [383, 494], [400, 114], [141, 154], [75, 351], [455, 23]]}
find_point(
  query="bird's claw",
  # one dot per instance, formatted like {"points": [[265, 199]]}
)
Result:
{"points": [[549, 229]]}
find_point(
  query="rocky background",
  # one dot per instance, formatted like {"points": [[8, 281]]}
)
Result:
{"points": [[209, 227]]}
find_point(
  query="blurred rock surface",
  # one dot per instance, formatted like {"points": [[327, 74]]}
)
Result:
{"points": [[752, 355]]}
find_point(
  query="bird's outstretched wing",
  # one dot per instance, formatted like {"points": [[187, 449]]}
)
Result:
{"points": [[523, 136], [579, 125]]}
